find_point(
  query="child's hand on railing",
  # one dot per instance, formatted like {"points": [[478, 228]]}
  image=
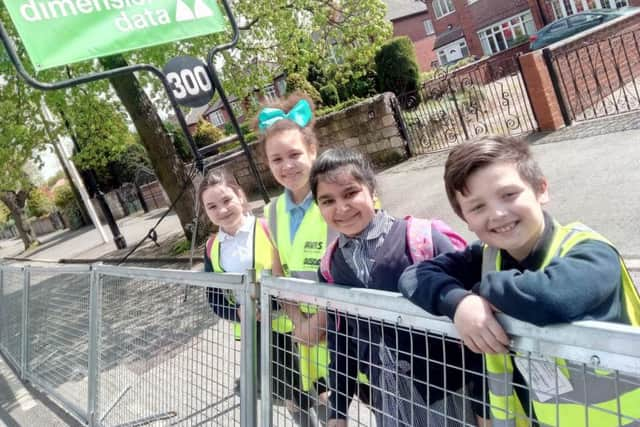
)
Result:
{"points": [[478, 327]]}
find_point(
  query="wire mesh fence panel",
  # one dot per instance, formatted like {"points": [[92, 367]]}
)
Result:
{"points": [[58, 332], [11, 298], [165, 356], [387, 363], [372, 372]]}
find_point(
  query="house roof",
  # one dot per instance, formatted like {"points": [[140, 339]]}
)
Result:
{"points": [[397, 9], [448, 37]]}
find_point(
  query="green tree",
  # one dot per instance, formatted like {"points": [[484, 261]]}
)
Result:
{"points": [[39, 203], [21, 135], [396, 67], [277, 36], [207, 134]]}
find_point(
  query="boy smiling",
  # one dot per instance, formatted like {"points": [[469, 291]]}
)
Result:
{"points": [[529, 267]]}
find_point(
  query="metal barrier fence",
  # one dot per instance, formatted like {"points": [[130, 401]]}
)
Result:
{"points": [[400, 381], [125, 346], [128, 346]]}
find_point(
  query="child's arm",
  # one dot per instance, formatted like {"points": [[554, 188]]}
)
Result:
{"points": [[438, 285], [216, 298], [441, 287], [569, 288]]}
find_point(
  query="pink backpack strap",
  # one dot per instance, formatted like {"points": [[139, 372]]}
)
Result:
{"points": [[325, 261], [420, 241], [265, 227], [456, 240]]}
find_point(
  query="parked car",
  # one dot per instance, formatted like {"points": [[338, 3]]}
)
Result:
{"points": [[574, 24]]}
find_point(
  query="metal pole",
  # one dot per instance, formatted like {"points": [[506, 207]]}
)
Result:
{"points": [[47, 117], [248, 394], [24, 362], [94, 347], [223, 97], [266, 408]]}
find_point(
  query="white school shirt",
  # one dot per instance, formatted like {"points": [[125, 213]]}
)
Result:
{"points": [[236, 252]]}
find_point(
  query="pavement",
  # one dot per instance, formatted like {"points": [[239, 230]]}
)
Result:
{"points": [[593, 171]]}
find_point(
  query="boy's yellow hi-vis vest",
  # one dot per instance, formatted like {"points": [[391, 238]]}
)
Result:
{"points": [[301, 259], [262, 259], [608, 396]]}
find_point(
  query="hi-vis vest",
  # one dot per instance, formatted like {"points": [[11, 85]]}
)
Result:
{"points": [[608, 395], [301, 259], [262, 259]]}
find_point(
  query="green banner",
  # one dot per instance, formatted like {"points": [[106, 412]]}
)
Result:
{"points": [[60, 32]]}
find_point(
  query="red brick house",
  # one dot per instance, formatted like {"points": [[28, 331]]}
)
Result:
{"points": [[479, 27], [218, 115], [547, 11], [411, 18]]}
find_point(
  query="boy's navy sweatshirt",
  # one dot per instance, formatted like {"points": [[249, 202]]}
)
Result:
{"points": [[353, 341], [582, 285]]}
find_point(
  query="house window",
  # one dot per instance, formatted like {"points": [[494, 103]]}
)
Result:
{"points": [[217, 118], [564, 8], [452, 52], [503, 35], [237, 109], [428, 27], [443, 7], [270, 93]]}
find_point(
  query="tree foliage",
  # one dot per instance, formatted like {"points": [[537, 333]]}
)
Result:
{"points": [[21, 134], [207, 134], [396, 66], [39, 203]]}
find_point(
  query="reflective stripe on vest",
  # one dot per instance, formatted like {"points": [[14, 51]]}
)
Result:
{"points": [[262, 259], [301, 259], [598, 398]]}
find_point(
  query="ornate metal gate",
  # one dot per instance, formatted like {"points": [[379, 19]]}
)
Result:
{"points": [[486, 97]]}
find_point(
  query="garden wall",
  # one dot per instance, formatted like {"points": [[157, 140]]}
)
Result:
{"points": [[369, 127]]}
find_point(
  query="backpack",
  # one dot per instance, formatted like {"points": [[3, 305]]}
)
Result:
{"points": [[419, 242]]}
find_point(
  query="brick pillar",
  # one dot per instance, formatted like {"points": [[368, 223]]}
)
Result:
{"points": [[544, 102]]}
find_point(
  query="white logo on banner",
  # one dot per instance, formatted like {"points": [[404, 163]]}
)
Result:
{"points": [[184, 13]]}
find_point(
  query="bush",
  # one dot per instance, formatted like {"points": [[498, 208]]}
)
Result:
{"points": [[179, 141], [297, 82], [207, 134], [38, 203], [341, 106], [329, 95], [65, 201], [396, 66], [135, 155]]}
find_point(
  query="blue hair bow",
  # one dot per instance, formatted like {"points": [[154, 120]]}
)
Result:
{"points": [[300, 114]]}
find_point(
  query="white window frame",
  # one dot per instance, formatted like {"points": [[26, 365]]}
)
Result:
{"points": [[459, 44], [442, 8], [498, 28], [270, 94], [237, 108], [428, 27], [217, 118], [560, 9]]}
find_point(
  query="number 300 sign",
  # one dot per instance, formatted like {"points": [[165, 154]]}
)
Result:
{"points": [[189, 81]]}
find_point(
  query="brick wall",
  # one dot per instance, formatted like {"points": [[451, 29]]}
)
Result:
{"points": [[369, 127], [592, 67], [482, 72], [413, 27]]}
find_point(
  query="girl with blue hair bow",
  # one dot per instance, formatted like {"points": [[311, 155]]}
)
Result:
{"points": [[300, 235]]}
